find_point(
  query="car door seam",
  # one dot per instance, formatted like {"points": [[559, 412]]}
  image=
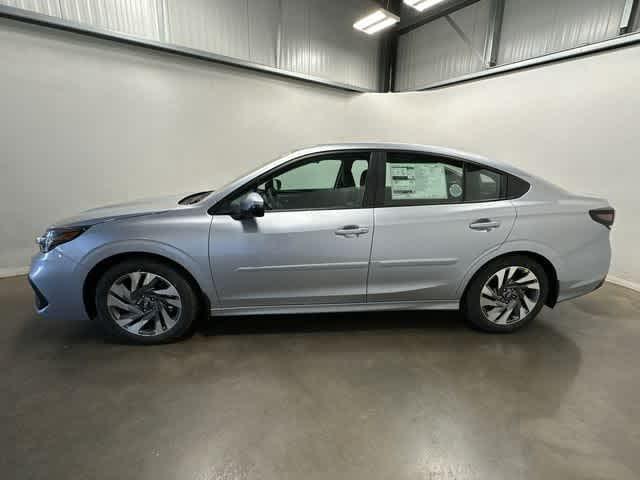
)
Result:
{"points": [[373, 231], [472, 267], [210, 259]]}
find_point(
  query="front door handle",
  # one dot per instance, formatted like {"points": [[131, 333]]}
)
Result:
{"points": [[484, 224], [350, 231]]}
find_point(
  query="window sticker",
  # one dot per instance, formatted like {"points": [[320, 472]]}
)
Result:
{"points": [[415, 181]]}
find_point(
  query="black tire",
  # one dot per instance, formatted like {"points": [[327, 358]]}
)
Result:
{"points": [[470, 304], [188, 297]]}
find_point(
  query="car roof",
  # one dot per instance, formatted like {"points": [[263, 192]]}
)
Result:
{"points": [[410, 147]]}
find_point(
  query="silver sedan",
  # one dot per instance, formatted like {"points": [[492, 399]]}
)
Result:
{"points": [[348, 227]]}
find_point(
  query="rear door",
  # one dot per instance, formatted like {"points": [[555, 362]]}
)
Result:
{"points": [[434, 216]]}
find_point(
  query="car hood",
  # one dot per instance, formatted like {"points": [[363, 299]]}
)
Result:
{"points": [[121, 210]]}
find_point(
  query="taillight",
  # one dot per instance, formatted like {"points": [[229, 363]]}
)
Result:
{"points": [[605, 216]]}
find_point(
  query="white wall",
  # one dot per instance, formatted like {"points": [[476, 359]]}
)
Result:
{"points": [[576, 123], [85, 122]]}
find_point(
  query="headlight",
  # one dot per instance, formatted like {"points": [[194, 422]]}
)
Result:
{"points": [[58, 236]]}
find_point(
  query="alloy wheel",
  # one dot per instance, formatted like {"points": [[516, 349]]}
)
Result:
{"points": [[144, 303], [509, 295]]}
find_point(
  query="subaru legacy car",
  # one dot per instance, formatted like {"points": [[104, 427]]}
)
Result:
{"points": [[331, 228]]}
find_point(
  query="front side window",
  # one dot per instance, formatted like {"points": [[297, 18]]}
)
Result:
{"points": [[329, 181], [416, 179], [320, 175]]}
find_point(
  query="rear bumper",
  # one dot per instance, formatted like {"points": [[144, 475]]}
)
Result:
{"points": [[586, 269], [568, 293], [57, 284]]}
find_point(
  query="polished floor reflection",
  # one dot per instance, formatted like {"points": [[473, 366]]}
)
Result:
{"points": [[401, 395]]}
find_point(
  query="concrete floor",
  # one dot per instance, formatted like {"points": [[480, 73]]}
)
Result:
{"points": [[386, 396]]}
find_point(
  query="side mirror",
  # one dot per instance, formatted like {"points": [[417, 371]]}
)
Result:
{"points": [[248, 206]]}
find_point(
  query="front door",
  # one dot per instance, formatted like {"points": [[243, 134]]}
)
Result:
{"points": [[312, 245]]}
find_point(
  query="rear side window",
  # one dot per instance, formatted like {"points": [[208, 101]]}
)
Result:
{"points": [[423, 179], [416, 179], [483, 184], [516, 187]]}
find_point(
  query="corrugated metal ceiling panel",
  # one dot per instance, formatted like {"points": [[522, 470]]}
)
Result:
{"points": [[436, 51], [294, 36], [219, 26], [339, 51], [133, 17], [535, 28], [309, 37], [264, 19], [46, 7]]}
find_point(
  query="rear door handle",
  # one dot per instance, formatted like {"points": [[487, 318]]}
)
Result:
{"points": [[484, 224], [351, 231]]}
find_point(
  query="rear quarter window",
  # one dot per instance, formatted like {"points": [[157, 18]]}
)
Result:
{"points": [[483, 184], [516, 187]]}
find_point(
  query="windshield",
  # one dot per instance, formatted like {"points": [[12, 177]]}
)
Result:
{"points": [[251, 170]]}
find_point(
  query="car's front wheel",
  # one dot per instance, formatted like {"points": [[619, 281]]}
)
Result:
{"points": [[506, 294], [145, 301]]}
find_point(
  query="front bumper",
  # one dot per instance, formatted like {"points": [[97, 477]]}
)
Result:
{"points": [[57, 283]]}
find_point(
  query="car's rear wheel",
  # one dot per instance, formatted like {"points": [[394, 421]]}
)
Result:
{"points": [[145, 301], [506, 294]]}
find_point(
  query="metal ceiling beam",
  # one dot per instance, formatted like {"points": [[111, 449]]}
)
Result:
{"points": [[389, 49], [493, 34], [463, 36], [440, 10], [628, 16]]}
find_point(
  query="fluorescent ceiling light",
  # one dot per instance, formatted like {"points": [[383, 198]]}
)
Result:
{"points": [[381, 25], [422, 5], [376, 21]]}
